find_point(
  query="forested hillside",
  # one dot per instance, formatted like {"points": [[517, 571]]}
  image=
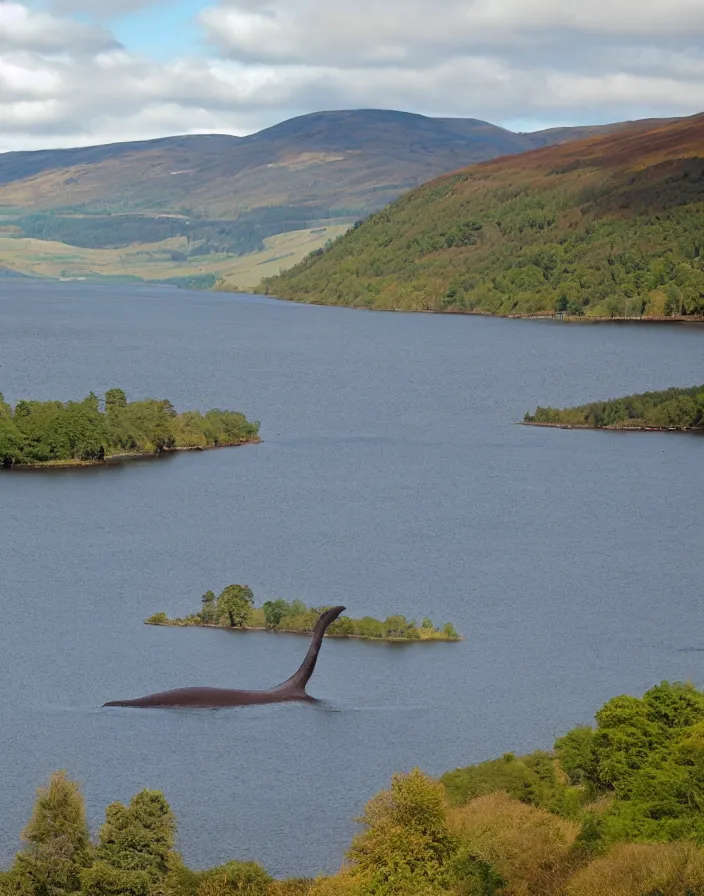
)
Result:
{"points": [[609, 227]]}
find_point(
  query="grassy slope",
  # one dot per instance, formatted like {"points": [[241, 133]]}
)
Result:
{"points": [[608, 226], [152, 261]]}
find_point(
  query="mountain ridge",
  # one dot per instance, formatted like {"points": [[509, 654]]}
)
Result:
{"points": [[402, 150], [189, 207]]}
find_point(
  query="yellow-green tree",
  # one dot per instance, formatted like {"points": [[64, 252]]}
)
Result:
{"points": [[235, 603], [102, 879], [243, 878], [406, 847], [139, 837], [58, 843]]}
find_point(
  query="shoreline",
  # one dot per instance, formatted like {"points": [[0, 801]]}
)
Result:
{"points": [[541, 315], [612, 427], [261, 628], [117, 459]]}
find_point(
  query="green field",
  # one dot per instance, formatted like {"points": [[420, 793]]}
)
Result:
{"points": [[163, 260]]}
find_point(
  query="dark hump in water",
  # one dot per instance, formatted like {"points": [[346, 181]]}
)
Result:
{"points": [[294, 688]]}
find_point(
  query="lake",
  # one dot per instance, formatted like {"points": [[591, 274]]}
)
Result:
{"points": [[392, 479]]}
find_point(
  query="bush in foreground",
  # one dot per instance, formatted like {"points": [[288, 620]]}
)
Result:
{"points": [[616, 811]]}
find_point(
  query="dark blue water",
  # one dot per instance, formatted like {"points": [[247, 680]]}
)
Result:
{"points": [[392, 479]]}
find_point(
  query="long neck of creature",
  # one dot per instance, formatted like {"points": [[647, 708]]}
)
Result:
{"points": [[298, 681]]}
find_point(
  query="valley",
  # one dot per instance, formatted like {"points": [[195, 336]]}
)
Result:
{"points": [[196, 210]]}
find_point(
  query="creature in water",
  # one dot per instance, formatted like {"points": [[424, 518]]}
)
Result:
{"points": [[294, 688]]}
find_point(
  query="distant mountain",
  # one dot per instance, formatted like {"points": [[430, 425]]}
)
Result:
{"points": [[608, 226], [332, 164], [188, 207]]}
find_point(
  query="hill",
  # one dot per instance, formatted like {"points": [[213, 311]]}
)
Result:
{"points": [[348, 162], [220, 197], [607, 226]]}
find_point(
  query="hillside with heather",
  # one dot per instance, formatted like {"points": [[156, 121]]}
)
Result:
{"points": [[187, 209], [344, 162], [610, 226]]}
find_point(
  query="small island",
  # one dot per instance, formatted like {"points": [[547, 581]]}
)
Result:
{"points": [[37, 434], [234, 609], [673, 410]]}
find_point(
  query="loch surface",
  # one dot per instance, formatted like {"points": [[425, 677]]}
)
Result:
{"points": [[391, 479]]}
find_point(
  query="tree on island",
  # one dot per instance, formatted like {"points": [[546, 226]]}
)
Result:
{"points": [[234, 609], [236, 602], [399, 627], [36, 432], [115, 398], [209, 613], [275, 611]]}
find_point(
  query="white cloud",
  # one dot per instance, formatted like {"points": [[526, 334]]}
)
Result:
{"points": [[42, 32], [64, 82], [102, 9], [27, 81], [416, 32]]}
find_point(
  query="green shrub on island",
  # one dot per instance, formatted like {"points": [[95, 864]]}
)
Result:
{"points": [[615, 810], [88, 431], [234, 608], [670, 409]]}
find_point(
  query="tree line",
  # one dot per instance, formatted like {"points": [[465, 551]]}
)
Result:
{"points": [[234, 608], [613, 810], [669, 409], [91, 430]]}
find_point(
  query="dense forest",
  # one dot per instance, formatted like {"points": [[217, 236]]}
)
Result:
{"points": [[234, 608], [614, 810], [676, 409], [607, 227], [90, 431]]}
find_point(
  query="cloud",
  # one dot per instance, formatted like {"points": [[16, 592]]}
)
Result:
{"points": [[65, 81], [42, 32], [102, 9], [415, 33]]}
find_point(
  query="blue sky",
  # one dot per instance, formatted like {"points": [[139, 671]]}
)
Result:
{"points": [[75, 72], [162, 31]]}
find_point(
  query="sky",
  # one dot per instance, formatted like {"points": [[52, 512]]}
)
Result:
{"points": [[82, 72]]}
